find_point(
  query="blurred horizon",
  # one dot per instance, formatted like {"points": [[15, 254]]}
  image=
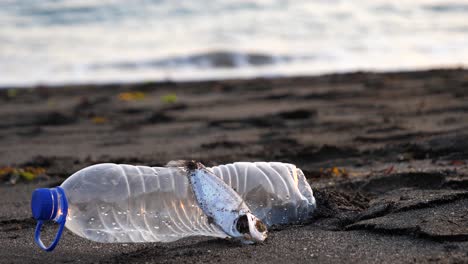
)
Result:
{"points": [[84, 41]]}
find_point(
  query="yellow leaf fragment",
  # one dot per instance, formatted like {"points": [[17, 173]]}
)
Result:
{"points": [[333, 172], [131, 96], [99, 120]]}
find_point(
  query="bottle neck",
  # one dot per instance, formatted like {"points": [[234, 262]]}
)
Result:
{"points": [[60, 209]]}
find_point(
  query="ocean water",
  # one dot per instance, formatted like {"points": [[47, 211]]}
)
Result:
{"points": [[95, 41]]}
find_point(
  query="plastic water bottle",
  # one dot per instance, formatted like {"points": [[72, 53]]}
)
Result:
{"points": [[123, 203]]}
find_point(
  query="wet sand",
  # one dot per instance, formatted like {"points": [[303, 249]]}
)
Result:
{"points": [[386, 156]]}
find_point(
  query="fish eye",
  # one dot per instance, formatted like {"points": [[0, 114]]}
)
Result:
{"points": [[242, 224], [261, 227]]}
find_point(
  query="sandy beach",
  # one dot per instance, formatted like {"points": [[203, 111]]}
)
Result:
{"points": [[385, 153]]}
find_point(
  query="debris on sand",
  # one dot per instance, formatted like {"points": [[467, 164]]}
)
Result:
{"points": [[131, 96], [13, 174]]}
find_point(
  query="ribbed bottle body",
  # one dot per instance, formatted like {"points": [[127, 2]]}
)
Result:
{"points": [[124, 203], [275, 192]]}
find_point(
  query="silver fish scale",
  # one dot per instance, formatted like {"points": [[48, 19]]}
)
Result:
{"points": [[125, 203], [217, 200]]}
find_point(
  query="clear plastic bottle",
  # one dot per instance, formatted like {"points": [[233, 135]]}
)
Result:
{"points": [[124, 203]]}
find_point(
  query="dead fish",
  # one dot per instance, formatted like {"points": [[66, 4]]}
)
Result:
{"points": [[223, 206]]}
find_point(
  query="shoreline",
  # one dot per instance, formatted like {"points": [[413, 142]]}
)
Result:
{"points": [[386, 155], [319, 74]]}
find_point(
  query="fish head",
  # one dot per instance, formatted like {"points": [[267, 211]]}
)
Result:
{"points": [[251, 229]]}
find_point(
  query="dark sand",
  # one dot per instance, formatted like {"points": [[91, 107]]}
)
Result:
{"points": [[401, 137]]}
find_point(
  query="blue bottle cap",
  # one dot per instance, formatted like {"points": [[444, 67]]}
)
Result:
{"points": [[44, 204]]}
